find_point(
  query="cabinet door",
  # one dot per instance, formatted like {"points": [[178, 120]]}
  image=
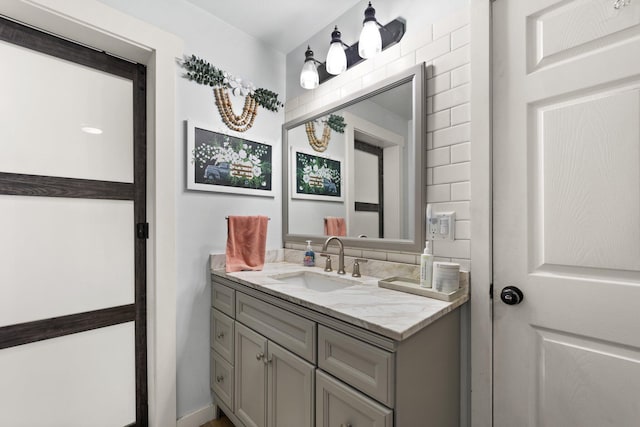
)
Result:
{"points": [[290, 389], [338, 405], [251, 377]]}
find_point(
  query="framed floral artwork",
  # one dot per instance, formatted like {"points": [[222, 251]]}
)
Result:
{"points": [[227, 164], [316, 177]]}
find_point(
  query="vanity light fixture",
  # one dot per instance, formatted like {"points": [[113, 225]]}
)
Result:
{"points": [[309, 78], [370, 43], [336, 58], [374, 38]]}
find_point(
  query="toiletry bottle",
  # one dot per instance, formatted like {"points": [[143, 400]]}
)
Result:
{"points": [[309, 256], [426, 266]]}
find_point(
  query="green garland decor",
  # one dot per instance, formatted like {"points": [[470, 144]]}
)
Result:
{"points": [[336, 123], [202, 72]]}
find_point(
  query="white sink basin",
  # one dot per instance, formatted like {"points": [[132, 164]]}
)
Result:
{"points": [[315, 281]]}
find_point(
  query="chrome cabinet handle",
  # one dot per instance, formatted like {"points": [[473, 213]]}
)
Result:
{"points": [[259, 356], [220, 335], [219, 378]]}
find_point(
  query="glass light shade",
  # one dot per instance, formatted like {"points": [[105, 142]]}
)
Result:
{"points": [[309, 75], [370, 43], [336, 59]]}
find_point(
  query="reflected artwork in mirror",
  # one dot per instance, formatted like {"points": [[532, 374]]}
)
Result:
{"points": [[371, 149]]}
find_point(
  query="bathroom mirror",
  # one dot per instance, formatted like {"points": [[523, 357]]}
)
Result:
{"points": [[356, 168]]}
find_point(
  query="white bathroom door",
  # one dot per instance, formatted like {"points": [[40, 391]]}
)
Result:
{"points": [[72, 257], [566, 166]]}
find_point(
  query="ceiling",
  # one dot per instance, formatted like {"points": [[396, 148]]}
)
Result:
{"points": [[283, 24]]}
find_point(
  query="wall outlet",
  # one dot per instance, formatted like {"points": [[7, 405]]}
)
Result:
{"points": [[442, 226]]}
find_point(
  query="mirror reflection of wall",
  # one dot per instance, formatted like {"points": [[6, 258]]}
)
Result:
{"points": [[378, 181]]}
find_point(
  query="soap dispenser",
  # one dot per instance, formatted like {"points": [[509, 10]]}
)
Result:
{"points": [[426, 266], [309, 256]]}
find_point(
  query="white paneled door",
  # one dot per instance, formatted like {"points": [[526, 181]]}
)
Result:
{"points": [[566, 213], [72, 255]]}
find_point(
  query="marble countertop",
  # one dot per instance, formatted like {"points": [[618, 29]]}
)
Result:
{"points": [[393, 314]]}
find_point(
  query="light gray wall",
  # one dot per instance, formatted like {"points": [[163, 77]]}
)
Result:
{"points": [[416, 13], [200, 226]]}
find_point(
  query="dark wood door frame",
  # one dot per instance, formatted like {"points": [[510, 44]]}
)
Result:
{"points": [[374, 207], [46, 186]]}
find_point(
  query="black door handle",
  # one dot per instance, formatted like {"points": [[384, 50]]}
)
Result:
{"points": [[511, 295]]}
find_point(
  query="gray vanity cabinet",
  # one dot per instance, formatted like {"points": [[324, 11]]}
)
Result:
{"points": [[274, 387], [289, 366], [340, 406]]}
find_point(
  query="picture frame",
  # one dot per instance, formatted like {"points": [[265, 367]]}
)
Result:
{"points": [[316, 177], [224, 163]]}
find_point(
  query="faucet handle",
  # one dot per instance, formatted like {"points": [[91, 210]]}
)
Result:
{"points": [[356, 267], [327, 266]]}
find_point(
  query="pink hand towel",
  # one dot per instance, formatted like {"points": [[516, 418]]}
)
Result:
{"points": [[246, 242], [335, 226]]}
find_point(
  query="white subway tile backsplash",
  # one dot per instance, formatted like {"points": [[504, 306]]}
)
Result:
{"points": [[350, 88], [452, 135], [461, 153], [452, 173], [306, 97], [454, 59], [438, 157], [460, 37], [438, 120], [439, 193], [463, 230], [382, 256], [439, 84], [374, 77], [399, 65], [461, 75], [462, 209], [465, 264], [445, 50], [330, 97], [401, 257], [461, 191], [452, 248], [451, 98], [451, 23], [434, 49], [415, 38], [389, 55], [460, 114], [360, 69], [291, 104], [295, 113]]}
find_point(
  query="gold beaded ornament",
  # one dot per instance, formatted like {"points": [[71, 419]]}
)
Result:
{"points": [[239, 123], [318, 145]]}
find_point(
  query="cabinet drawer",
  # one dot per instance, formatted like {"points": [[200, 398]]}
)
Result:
{"points": [[365, 367], [222, 379], [338, 404], [222, 334], [223, 298], [291, 331]]}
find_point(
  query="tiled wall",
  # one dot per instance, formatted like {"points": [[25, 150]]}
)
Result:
{"points": [[444, 48]]}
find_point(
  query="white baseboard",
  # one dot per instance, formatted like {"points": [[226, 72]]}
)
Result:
{"points": [[197, 418]]}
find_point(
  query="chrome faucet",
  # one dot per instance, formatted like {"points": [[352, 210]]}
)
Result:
{"points": [[340, 254]]}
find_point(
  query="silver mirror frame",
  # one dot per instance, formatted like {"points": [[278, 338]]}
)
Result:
{"points": [[415, 74]]}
